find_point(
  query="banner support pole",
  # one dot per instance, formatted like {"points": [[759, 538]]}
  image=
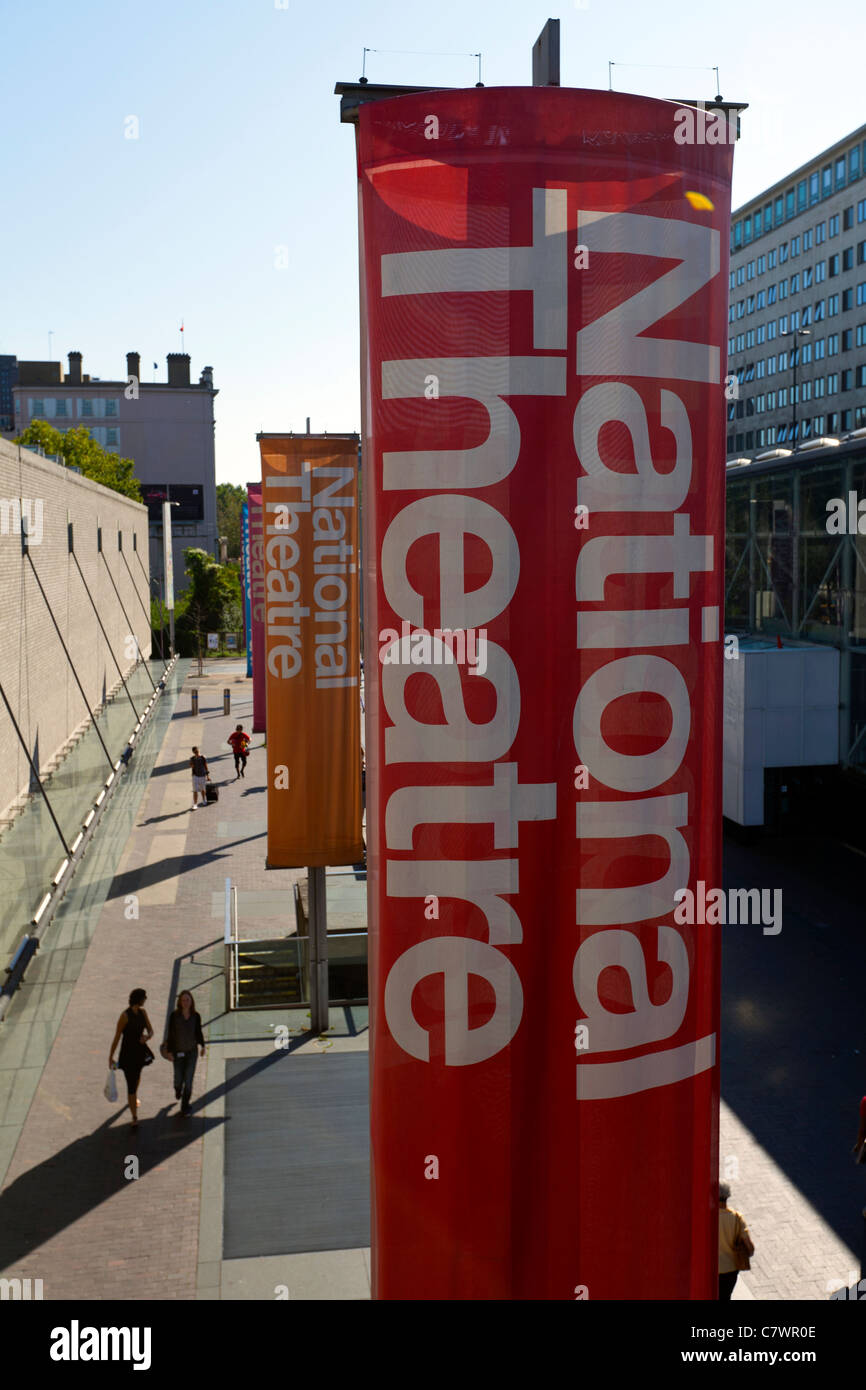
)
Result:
{"points": [[318, 927]]}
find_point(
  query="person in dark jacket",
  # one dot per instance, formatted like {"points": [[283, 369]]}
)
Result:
{"points": [[200, 774], [134, 1028], [182, 1036]]}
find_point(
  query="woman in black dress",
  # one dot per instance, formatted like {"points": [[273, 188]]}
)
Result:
{"points": [[134, 1028]]}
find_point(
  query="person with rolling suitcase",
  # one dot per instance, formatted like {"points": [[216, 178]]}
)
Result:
{"points": [[200, 775]]}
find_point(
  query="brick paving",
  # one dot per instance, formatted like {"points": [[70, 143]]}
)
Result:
{"points": [[71, 1211], [798, 1255], [72, 1214], [793, 1068]]}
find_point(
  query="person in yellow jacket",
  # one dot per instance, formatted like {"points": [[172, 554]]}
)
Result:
{"points": [[735, 1244]]}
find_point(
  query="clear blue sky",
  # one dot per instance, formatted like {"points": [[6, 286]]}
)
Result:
{"points": [[111, 242]]}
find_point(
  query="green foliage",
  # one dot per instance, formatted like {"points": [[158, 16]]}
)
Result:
{"points": [[77, 449], [230, 500], [210, 603]]}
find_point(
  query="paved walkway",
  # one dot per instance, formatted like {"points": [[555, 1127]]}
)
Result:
{"points": [[793, 1066], [93, 1209], [798, 1256], [97, 1212]]}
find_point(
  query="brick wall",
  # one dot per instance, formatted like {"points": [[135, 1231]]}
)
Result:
{"points": [[33, 668]]}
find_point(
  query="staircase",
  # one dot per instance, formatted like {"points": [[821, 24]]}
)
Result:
{"points": [[269, 975]]}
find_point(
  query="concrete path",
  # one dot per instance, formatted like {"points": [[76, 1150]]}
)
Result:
{"points": [[97, 1212], [91, 1208]]}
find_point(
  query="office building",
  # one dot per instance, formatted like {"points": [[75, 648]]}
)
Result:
{"points": [[8, 379], [166, 427], [795, 592], [797, 313]]}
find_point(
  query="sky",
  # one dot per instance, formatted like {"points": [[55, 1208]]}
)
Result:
{"points": [[234, 211]]}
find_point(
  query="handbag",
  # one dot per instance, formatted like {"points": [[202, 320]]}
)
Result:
{"points": [[148, 1055], [743, 1246], [110, 1089]]}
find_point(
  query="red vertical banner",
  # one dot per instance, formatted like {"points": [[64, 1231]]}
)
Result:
{"points": [[257, 605], [545, 307]]}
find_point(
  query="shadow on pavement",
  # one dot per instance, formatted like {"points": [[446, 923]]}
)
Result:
{"points": [[133, 880], [78, 1178], [793, 1040]]}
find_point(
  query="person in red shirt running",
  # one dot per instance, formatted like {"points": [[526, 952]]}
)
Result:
{"points": [[240, 742]]}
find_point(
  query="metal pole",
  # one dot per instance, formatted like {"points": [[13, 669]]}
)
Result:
{"points": [[795, 558], [105, 635], [227, 944], [797, 334], [128, 623], [846, 585], [155, 579], [71, 662], [318, 926], [35, 771], [753, 502], [168, 564], [45, 912]]}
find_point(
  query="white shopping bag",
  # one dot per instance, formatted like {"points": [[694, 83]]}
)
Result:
{"points": [[111, 1087]]}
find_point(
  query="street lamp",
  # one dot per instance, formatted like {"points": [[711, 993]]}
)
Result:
{"points": [[158, 582], [795, 333], [167, 554]]}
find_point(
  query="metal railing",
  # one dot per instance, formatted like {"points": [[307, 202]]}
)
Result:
{"points": [[74, 853], [231, 947], [341, 957]]}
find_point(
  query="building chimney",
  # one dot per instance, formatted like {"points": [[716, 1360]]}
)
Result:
{"points": [[74, 376], [178, 369], [133, 365]]}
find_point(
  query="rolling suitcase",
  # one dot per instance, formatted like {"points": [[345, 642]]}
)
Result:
{"points": [[212, 793]]}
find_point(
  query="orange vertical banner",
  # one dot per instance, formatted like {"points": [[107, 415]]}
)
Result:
{"points": [[312, 649]]}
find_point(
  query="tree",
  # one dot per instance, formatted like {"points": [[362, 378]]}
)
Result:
{"points": [[79, 450], [210, 600], [230, 499]]}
